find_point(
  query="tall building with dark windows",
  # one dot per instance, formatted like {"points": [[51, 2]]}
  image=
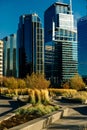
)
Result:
{"points": [[10, 56], [61, 60], [82, 49], [1, 58], [30, 44]]}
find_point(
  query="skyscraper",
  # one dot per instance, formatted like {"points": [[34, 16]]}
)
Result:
{"points": [[9, 57], [1, 58], [61, 60], [30, 44], [82, 49]]}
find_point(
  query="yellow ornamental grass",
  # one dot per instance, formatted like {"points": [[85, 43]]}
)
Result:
{"points": [[10, 91], [4, 91], [16, 92], [28, 90], [44, 96], [38, 96], [63, 92], [32, 97], [23, 91]]}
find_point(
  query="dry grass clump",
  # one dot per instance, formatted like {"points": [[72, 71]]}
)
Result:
{"points": [[12, 92], [44, 96], [70, 93], [38, 96], [82, 93], [62, 92], [22, 91], [81, 96], [35, 95], [32, 97], [3, 91]]}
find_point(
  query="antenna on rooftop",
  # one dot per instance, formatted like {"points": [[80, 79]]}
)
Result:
{"points": [[71, 6]]}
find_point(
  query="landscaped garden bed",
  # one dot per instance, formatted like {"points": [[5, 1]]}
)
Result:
{"points": [[23, 115], [35, 90]]}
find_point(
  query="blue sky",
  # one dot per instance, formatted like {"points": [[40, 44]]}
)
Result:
{"points": [[10, 10]]}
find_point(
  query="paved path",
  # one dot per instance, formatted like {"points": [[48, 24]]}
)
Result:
{"points": [[76, 120], [7, 105]]}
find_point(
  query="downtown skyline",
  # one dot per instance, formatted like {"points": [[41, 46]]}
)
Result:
{"points": [[11, 10]]}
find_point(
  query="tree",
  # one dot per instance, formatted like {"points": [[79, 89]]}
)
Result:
{"points": [[21, 83], [66, 85], [77, 83], [10, 82], [1, 81], [37, 81]]}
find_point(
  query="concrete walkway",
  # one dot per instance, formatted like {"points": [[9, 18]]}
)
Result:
{"points": [[76, 120], [8, 105]]}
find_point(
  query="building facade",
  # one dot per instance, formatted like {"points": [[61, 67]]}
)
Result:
{"points": [[30, 44], [1, 58], [82, 49], [61, 60], [10, 56]]}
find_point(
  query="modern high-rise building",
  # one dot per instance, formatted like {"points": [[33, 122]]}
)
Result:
{"points": [[1, 58], [61, 60], [30, 44], [82, 43], [10, 56]]}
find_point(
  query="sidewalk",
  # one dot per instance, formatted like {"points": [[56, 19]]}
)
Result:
{"points": [[7, 106], [76, 120]]}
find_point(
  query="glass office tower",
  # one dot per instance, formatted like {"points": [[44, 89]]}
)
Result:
{"points": [[9, 56], [82, 42], [1, 58], [30, 44], [61, 61]]}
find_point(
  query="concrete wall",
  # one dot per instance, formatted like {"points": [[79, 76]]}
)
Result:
{"points": [[43, 122]]}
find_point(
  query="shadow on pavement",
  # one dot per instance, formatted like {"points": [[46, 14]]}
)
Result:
{"points": [[82, 110], [64, 127], [9, 105]]}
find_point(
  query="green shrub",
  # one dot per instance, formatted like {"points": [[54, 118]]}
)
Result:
{"points": [[38, 109]]}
